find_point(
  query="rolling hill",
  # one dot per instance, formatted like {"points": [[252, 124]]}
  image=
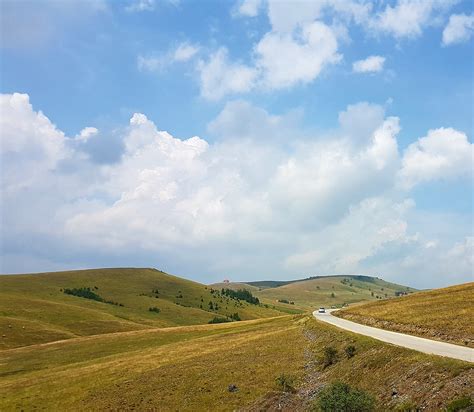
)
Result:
{"points": [[34, 308], [443, 314], [306, 294]]}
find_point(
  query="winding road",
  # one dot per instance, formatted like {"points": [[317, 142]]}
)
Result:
{"points": [[429, 346]]}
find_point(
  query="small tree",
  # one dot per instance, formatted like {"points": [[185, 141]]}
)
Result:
{"points": [[341, 397], [350, 351], [333, 295], [330, 356]]}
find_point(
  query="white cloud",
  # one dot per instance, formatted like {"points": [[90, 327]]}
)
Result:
{"points": [[185, 52], [287, 59], [248, 8], [219, 76], [182, 53], [458, 30], [141, 5], [86, 134], [408, 18], [371, 64], [444, 153], [210, 207]]}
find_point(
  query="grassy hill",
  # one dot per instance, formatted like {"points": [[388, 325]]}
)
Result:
{"points": [[307, 294], [443, 314], [190, 368], [34, 308]]}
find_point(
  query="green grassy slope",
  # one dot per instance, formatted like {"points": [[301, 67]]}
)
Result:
{"points": [[325, 291], [443, 314], [190, 368], [33, 308]]}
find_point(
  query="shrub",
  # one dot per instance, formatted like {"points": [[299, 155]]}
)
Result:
{"points": [[330, 356], [350, 351], [235, 316], [461, 404], [285, 383], [341, 397], [154, 309]]}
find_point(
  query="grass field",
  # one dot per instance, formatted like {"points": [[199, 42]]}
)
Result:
{"points": [[443, 314], [191, 367], [34, 309], [321, 291]]}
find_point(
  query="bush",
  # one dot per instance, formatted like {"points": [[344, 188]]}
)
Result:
{"points": [[330, 356], [154, 309], [235, 316], [342, 398], [350, 351], [461, 404], [285, 383]]}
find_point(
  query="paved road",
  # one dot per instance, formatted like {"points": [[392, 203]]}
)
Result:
{"points": [[400, 339]]}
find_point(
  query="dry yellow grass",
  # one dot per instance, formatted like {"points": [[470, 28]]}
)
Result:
{"points": [[443, 314]]}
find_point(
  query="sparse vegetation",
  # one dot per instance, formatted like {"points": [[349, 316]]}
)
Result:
{"points": [[154, 309]]}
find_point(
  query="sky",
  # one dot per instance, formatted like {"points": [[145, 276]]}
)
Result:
{"points": [[239, 139]]}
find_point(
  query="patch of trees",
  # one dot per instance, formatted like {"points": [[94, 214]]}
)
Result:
{"points": [[229, 318], [87, 293], [154, 309], [241, 294], [217, 319]]}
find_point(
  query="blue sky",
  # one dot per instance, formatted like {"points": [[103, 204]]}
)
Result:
{"points": [[303, 138]]}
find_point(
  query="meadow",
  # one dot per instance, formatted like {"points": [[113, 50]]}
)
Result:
{"points": [[191, 368]]}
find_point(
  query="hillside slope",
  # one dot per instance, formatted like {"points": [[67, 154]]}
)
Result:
{"points": [[190, 368], [444, 314], [35, 309], [307, 294]]}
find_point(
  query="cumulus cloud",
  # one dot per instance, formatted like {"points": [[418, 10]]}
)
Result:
{"points": [[371, 64], [458, 30], [408, 18], [219, 76], [286, 59], [141, 5], [444, 153], [209, 207]]}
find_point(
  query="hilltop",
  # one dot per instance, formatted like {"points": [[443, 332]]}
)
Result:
{"points": [[44, 307], [443, 314], [306, 294]]}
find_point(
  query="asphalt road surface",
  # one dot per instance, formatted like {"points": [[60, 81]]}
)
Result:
{"points": [[429, 346]]}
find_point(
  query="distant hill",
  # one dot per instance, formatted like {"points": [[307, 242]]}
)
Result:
{"points": [[443, 314], [34, 308], [308, 293]]}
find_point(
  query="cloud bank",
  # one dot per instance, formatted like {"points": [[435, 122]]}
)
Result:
{"points": [[248, 205]]}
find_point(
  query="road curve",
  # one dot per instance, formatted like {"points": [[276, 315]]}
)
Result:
{"points": [[429, 346]]}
